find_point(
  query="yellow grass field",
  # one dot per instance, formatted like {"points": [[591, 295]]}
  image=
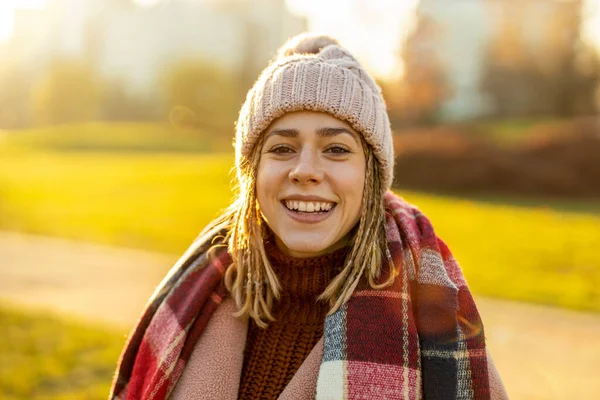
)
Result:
{"points": [[160, 200], [45, 357]]}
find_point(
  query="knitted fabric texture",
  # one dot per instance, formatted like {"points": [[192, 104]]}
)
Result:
{"points": [[420, 338], [273, 355], [315, 73]]}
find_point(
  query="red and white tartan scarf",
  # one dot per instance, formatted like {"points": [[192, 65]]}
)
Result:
{"points": [[420, 338]]}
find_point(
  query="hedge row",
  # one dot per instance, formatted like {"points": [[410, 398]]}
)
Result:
{"points": [[558, 159]]}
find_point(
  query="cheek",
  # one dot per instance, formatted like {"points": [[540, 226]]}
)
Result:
{"points": [[350, 180], [268, 181]]}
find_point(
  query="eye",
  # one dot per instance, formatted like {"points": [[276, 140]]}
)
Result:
{"points": [[337, 149], [280, 149]]}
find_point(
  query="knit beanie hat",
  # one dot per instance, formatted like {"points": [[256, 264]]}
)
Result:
{"points": [[313, 72]]}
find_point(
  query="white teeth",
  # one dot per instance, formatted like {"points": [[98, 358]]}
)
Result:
{"points": [[306, 206]]}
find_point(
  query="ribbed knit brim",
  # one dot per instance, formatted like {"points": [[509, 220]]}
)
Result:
{"points": [[327, 79]]}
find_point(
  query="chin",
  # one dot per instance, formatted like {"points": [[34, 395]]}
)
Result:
{"points": [[298, 247]]}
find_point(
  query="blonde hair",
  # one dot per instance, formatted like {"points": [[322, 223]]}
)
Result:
{"points": [[250, 278]]}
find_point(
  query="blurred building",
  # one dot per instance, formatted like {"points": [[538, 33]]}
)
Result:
{"points": [[463, 30], [508, 34], [133, 45]]}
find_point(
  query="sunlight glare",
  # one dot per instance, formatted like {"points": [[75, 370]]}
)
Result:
{"points": [[591, 30], [6, 21], [7, 8], [147, 3], [26, 4], [372, 30]]}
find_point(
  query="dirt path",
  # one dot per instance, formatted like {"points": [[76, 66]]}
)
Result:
{"points": [[541, 352]]}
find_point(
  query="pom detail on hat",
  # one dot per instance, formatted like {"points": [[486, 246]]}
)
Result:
{"points": [[307, 43]]}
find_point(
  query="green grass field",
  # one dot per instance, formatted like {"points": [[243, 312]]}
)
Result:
{"points": [[150, 201], [118, 137], [46, 357]]}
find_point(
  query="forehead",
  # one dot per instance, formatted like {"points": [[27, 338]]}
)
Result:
{"points": [[309, 121]]}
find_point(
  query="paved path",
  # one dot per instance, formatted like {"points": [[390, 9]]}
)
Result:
{"points": [[541, 352]]}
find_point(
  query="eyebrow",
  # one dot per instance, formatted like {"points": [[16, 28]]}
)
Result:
{"points": [[322, 132]]}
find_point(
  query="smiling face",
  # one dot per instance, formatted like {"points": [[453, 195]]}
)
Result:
{"points": [[310, 182]]}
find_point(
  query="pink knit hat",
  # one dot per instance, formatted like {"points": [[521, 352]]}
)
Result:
{"points": [[313, 72]]}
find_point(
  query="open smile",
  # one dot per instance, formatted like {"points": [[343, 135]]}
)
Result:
{"points": [[308, 206], [308, 211]]}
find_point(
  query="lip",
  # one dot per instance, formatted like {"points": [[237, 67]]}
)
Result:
{"points": [[307, 218]]}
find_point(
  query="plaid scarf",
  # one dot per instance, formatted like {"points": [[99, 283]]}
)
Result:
{"points": [[419, 338]]}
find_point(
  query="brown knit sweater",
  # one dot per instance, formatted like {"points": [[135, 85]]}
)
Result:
{"points": [[273, 355]]}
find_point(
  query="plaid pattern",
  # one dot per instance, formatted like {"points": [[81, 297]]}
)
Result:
{"points": [[425, 339]]}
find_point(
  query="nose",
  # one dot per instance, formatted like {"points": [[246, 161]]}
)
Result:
{"points": [[306, 169]]}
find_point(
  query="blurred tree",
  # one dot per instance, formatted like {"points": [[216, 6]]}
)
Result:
{"points": [[418, 96], [557, 74], [15, 88], [69, 91], [120, 105], [253, 62], [201, 95]]}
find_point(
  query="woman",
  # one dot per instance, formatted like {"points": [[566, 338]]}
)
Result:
{"points": [[317, 282]]}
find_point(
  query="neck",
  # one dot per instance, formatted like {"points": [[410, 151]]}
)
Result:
{"points": [[306, 278]]}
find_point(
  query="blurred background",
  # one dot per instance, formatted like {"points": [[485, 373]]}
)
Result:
{"points": [[116, 127]]}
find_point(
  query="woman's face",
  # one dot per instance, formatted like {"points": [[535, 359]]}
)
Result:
{"points": [[310, 182]]}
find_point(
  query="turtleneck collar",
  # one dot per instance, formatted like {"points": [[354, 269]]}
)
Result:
{"points": [[304, 278]]}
